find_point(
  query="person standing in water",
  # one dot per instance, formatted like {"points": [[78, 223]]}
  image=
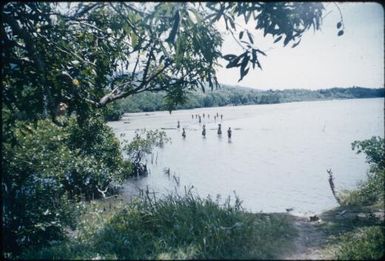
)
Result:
{"points": [[221, 116], [184, 133], [219, 132], [204, 131], [200, 119], [178, 126], [229, 133]]}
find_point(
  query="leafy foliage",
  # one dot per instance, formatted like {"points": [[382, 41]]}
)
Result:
{"points": [[374, 149], [281, 20], [90, 54], [44, 168], [371, 191], [141, 146]]}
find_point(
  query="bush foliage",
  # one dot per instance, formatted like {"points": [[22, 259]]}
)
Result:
{"points": [[372, 190], [46, 169]]}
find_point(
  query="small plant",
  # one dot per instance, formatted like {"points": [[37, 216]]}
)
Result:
{"points": [[142, 145]]}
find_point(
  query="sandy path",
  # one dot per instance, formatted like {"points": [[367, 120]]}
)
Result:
{"points": [[309, 242]]}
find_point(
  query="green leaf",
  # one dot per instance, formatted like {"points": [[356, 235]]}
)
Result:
{"points": [[248, 16], [234, 62], [261, 52], [297, 43], [229, 57], [287, 40], [254, 57], [244, 71], [174, 30], [241, 34], [250, 37], [278, 39]]}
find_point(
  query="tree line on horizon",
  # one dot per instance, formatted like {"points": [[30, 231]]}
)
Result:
{"points": [[231, 95]]}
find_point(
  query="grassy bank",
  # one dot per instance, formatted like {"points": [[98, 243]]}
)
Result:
{"points": [[175, 227]]}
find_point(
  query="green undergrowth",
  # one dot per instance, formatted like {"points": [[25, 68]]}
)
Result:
{"points": [[362, 244], [174, 227]]}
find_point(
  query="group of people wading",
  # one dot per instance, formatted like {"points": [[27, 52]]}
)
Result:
{"points": [[199, 117]]}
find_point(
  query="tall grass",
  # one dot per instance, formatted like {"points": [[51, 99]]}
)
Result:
{"points": [[187, 227], [181, 227]]}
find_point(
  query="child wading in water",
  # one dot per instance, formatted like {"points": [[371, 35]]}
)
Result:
{"points": [[229, 133], [184, 133], [204, 131], [219, 129]]}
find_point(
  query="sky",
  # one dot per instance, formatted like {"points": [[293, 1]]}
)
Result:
{"points": [[322, 59]]}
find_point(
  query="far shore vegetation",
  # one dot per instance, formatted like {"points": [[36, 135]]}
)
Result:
{"points": [[228, 95]]}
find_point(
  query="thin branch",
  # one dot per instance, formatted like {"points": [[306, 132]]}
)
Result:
{"points": [[157, 73], [232, 34], [84, 11], [136, 64], [148, 64]]}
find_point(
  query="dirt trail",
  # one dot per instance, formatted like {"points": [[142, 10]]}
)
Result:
{"points": [[309, 242], [312, 242]]}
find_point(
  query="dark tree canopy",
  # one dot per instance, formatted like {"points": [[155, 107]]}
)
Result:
{"points": [[90, 54]]}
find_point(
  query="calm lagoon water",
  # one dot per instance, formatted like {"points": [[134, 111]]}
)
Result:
{"points": [[277, 157]]}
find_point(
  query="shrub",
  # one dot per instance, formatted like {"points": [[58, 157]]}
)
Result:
{"points": [[374, 149], [142, 144], [43, 166], [372, 190], [369, 192], [35, 209]]}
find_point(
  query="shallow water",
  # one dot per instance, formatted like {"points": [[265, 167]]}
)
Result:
{"points": [[277, 157]]}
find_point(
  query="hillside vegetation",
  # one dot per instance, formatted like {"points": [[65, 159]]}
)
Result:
{"points": [[230, 95]]}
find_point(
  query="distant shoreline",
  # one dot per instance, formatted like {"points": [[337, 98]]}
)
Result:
{"points": [[235, 96]]}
